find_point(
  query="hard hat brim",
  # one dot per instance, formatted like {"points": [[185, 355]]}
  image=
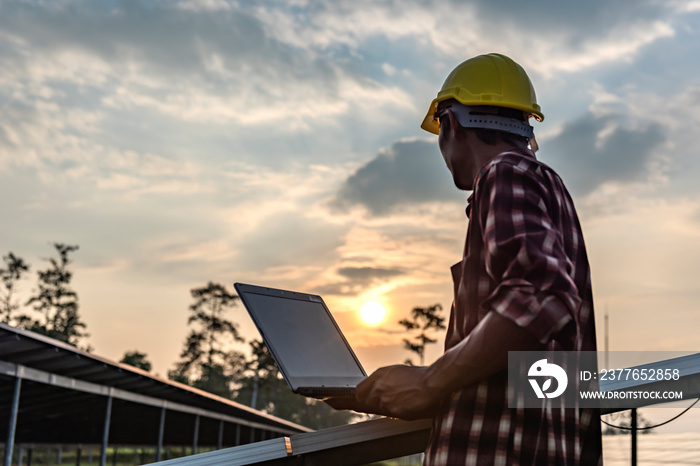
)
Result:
{"points": [[431, 125]]}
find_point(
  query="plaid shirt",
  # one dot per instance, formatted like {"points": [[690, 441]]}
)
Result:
{"points": [[525, 259]]}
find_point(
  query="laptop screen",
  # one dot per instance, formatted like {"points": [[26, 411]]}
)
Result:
{"points": [[302, 335]]}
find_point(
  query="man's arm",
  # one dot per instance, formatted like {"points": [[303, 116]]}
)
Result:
{"points": [[410, 392], [534, 301]]}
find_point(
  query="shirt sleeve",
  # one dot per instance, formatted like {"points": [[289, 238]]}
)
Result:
{"points": [[525, 255]]}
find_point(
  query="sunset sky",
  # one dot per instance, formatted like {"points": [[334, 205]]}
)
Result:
{"points": [[279, 143]]}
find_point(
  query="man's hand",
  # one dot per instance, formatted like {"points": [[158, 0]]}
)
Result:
{"points": [[410, 392], [394, 391]]}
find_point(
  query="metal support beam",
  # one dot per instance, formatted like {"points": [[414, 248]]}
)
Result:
{"points": [[12, 425], [56, 380], [196, 435], [238, 434], [105, 431], [220, 442], [633, 422], [161, 433]]}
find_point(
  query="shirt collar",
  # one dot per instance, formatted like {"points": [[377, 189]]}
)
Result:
{"points": [[469, 205]]}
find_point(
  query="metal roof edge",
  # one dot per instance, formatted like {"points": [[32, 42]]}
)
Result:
{"points": [[53, 343]]}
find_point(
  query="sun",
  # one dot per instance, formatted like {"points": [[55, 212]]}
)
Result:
{"points": [[372, 312]]}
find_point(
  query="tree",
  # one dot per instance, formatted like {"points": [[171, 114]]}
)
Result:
{"points": [[423, 319], [308, 412], [137, 359], [56, 302], [10, 275], [264, 370], [258, 386], [263, 388], [623, 420], [205, 362]]}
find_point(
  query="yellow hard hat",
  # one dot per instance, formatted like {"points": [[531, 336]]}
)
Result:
{"points": [[493, 80]]}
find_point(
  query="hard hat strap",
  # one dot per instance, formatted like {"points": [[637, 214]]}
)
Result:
{"points": [[482, 117]]}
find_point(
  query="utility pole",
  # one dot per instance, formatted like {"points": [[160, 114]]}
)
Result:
{"points": [[633, 422], [607, 343], [633, 413]]}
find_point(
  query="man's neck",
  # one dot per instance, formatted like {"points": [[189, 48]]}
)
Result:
{"points": [[486, 152]]}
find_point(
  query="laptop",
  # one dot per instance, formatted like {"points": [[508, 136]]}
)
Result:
{"points": [[305, 341]]}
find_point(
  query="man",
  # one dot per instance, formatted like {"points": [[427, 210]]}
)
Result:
{"points": [[523, 285]]}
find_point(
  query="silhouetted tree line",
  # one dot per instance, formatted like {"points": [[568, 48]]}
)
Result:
{"points": [[207, 360], [208, 363], [53, 305], [621, 424], [137, 359]]}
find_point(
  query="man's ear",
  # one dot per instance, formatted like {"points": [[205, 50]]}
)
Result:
{"points": [[455, 127]]}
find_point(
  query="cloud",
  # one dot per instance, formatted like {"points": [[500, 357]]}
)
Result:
{"points": [[291, 68], [204, 5], [207, 62], [288, 238], [581, 22], [358, 279], [546, 36], [367, 274], [593, 150], [409, 172], [677, 114]]}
